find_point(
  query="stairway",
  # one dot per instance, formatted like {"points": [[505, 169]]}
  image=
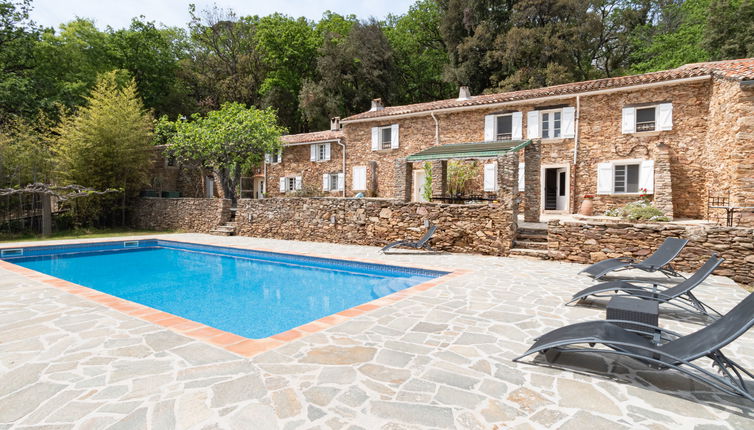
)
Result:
{"points": [[531, 241], [227, 229]]}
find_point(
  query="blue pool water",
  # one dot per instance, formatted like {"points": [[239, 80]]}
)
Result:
{"points": [[250, 293]]}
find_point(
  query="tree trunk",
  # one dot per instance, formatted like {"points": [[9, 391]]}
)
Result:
{"points": [[226, 181], [46, 214]]}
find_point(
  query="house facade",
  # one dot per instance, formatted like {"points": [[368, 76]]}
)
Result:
{"points": [[678, 136]]}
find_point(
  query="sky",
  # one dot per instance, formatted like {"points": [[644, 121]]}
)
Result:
{"points": [[118, 14]]}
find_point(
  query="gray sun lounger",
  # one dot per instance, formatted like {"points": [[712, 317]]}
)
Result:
{"points": [[679, 295], [422, 243], [674, 351], [659, 261]]}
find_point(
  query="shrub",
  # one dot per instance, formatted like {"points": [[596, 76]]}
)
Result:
{"points": [[641, 210]]}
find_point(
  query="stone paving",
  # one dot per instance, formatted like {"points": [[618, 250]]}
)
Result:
{"points": [[437, 359]]}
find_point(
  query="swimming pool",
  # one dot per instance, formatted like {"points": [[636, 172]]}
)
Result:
{"points": [[250, 293]]}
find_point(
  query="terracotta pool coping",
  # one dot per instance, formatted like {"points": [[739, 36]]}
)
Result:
{"points": [[231, 342]]}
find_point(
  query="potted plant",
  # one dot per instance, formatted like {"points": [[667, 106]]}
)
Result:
{"points": [[587, 205]]}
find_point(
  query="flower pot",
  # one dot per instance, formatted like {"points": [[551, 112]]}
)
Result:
{"points": [[587, 207]]}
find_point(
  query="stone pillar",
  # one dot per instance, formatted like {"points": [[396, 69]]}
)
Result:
{"points": [[403, 179], [439, 177], [532, 186], [663, 193], [507, 180]]}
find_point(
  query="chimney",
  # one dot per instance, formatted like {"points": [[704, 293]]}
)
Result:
{"points": [[335, 123], [464, 93], [377, 105]]}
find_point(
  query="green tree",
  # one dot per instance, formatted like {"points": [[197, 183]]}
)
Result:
{"points": [[227, 140], [18, 36], [25, 152], [107, 143], [729, 33]]}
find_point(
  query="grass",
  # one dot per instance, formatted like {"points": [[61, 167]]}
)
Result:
{"points": [[84, 233]]}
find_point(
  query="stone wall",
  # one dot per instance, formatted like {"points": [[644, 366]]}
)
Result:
{"points": [[296, 161], [589, 242], [483, 229], [185, 214]]}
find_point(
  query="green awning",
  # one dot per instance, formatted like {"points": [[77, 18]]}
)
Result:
{"points": [[468, 150]]}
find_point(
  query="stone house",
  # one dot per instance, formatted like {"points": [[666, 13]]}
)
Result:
{"points": [[682, 134]]}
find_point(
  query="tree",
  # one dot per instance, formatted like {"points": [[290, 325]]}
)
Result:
{"points": [[18, 36], [227, 140], [729, 33], [107, 143]]}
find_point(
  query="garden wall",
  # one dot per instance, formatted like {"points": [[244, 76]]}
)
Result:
{"points": [[187, 214], [589, 242], [484, 229]]}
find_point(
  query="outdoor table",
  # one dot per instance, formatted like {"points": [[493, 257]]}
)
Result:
{"points": [[634, 309], [730, 210]]}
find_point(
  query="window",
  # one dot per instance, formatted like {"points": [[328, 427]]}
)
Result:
{"points": [[551, 124], [626, 178], [332, 182], [645, 119], [274, 158], [320, 152], [504, 127], [290, 184], [386, 137]]}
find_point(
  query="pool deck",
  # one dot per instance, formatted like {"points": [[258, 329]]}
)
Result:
{"points": [[438, 358]]}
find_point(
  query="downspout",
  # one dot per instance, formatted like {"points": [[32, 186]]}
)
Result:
{"points": [[343, 147], [437, 128], [575, 150], [266, 185]]}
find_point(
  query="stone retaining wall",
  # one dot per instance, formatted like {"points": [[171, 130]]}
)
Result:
{"points": [[589, 242], [187, 214], [483, 229]]}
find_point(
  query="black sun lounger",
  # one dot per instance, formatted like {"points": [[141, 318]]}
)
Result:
{"points": [[659, 261], [674, 351], [421, 243], [679, 295]]}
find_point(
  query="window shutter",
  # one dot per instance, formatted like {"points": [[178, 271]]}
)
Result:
{"points": [[267, 158], [521, 176], [375, 138], [489, 128], [282, 185], [517, 130], [313, 152], [325, 182], [665, 116], [532, 124], [629, 120], [341, 181], [490, 177], [394, 136], [359, 179], [604, 178], [569, 122], [647, 176], [327, 151], [298, 183]]}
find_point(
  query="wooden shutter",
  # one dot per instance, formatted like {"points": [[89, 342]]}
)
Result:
{"points": [[375, 138], [647, 176], [521, 176], [359, 180], [282, 185], [517, 126], [298, 183], [604, 178], [313, 152], [568, 124], [628, 124], [341, 181], [489, 128], [394, 143], [532, 125], [490, 177], [325, 182], [327, 151], [665, 116]]}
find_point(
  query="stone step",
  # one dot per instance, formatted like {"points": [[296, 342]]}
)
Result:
{"points": [[532, 230], [225, 228], [523, 244], [530, 253], [221, 232], [531, 237]]}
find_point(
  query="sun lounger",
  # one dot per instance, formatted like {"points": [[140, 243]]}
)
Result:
{"points": [[657, 262]]}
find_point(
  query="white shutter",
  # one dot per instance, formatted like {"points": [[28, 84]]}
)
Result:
{"points": [[604, 178], [313, 152], [394, 136], [490, 177], [298, 183], [489, 128], [268, 158], [569, 120], [647, 176], [282, 185], [325, 182], [327, 151], [375, 138], [532, 124], [628, 124], [517, 123], [341, 181], [665, 116], [359, 179], [521, 176]]}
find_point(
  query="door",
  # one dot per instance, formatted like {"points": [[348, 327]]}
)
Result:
{"points": [[209, 187], [556, 189], [258, 188], [562, 199], [419, 178]]}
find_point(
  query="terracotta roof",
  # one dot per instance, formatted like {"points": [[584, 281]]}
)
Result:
{"points": [[315, 136], [731, 69]]}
